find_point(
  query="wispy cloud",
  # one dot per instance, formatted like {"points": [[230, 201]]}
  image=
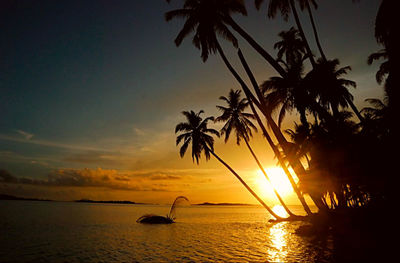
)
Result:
{"points": [[28, 139], [25, 134], [147, 180], [139, 132], [103, 178]]}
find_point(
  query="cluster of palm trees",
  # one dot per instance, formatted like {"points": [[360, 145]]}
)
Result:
{"points": [[327, 152]]}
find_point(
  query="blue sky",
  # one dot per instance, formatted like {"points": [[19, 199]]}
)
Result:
{"points": [[100, 84]]}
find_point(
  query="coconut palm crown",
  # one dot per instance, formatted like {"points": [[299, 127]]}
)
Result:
{"points": [[235, 117], [195, 131], [205, 18]]}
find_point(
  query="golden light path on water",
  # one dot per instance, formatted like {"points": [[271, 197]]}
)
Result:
{"points": [[278, 233], [279, 237]]}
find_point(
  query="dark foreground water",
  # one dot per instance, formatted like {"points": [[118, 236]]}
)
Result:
{"points": [[80, 232]]}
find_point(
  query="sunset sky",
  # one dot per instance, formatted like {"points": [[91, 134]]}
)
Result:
{"points": [[91, 92]]}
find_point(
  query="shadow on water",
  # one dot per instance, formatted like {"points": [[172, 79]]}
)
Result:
{"points": [[169, 219]]}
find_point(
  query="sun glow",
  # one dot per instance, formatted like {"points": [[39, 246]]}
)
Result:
{"points": [[278, 179]]}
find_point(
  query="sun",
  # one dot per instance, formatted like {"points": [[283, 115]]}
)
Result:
{"points": [[278, 179]]}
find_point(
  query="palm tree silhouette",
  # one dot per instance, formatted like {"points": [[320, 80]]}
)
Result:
{"points": [[195, 131], [383, 68], [291, 46], [288, 92], [386, 33], [204, 17], [236, 119], [211, 17], [325, 84], [285, 7], [306, 4], [286, 146]]}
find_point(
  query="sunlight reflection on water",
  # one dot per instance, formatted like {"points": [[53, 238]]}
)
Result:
{"points": [[278, 236], [77, 232]]}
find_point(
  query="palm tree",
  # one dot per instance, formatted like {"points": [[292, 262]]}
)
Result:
{"points": [[287, 92], [285, 7], [287, 149], [384, 67], [386, 33], [236, 119], [211, 17], [205, 18], [304, 4], [195, 131], [325, 84], [291, 46], [278, 134]]}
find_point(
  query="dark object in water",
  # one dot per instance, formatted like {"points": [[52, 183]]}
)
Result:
{"points": [[154, 219], [169, 219]]}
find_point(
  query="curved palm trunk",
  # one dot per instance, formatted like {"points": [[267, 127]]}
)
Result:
{"points": [[252, 100], [353, 107], [280, 160], [266, 177], [245, 185], [256, 46], [355, 110], [294, 162], [303, 36], [315, 31]]}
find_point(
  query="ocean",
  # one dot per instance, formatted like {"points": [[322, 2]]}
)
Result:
{"points": [[32, 231]]}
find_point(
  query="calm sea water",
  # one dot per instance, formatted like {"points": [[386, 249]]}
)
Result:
{"points": [[80, 232]]}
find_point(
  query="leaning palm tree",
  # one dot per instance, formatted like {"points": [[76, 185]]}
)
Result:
{"points": [[205, 18], [195, 131], [287, 92], [285, 7], [209, 17], [325, 83], [236, 119], [286, 147], [306, 4]]}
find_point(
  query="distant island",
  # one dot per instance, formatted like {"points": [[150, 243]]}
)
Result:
{"points": [[225, 204], [108, 202], [11, 197]]}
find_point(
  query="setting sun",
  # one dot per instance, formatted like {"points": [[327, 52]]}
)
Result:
{"points": [[278, 180]]}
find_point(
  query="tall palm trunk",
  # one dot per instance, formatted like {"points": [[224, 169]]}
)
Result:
{"points": [[245, 185], [256, 46], [315, 31], [355, 110], [294, 162], [266, 177], [252, 99], [300, 28], [353, 107]]}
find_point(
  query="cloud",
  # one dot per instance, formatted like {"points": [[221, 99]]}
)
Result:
{"points": [[139, 132], [25, 134], [28, 139], [103, 178], [165, 177]]}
